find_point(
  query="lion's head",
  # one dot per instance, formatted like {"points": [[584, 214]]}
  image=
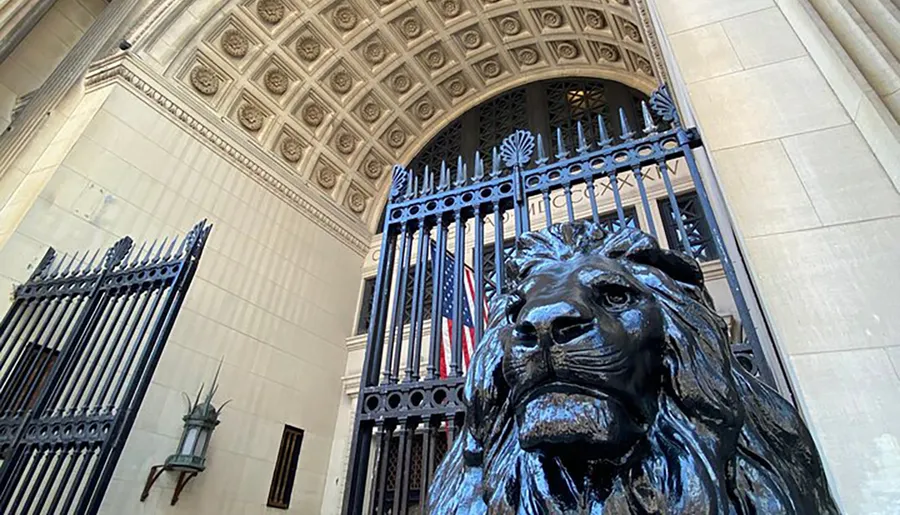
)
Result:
{"points": [[604, 384]]}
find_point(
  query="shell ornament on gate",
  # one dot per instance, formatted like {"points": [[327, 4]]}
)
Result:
{"points": [[517, 149], [399, 177]]}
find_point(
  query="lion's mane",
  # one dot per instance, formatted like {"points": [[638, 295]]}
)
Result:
{"points": [[721, 443]]}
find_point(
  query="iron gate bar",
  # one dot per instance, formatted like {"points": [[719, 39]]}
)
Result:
{"points": [[104, 326], [416, 210]]}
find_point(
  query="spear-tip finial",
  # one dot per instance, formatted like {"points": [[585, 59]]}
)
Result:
{"points": [[604, 134], [561, 147], [445, 177], [542, 154], [649, 126], [623, 121], [429, 181], [409, 185], [495, 163], [582, 144], [479, 166]]}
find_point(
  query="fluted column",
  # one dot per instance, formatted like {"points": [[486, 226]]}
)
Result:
{"points": [[66, 74], [884, 18], [17, 18], [869, 31]]}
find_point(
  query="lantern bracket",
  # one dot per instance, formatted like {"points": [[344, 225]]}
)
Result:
{"points": [[155, 471]]}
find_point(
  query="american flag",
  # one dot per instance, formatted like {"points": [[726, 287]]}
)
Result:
{"points": [[448, 297]]}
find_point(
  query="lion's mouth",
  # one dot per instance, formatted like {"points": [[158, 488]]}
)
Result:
{"points": [[558, 387]]}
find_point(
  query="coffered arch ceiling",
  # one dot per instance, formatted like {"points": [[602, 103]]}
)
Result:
{"points": [[339, 90]]}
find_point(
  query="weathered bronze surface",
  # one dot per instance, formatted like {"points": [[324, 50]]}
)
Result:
{"points": [[604, 384]]}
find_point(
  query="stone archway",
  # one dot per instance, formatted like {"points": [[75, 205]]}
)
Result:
{"points": [[337, 92]]}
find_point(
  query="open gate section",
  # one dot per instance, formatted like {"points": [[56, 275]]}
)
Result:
{"points": [[78, 348]]}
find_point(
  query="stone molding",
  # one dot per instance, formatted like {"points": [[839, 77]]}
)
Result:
{"points": [[127, 71]]}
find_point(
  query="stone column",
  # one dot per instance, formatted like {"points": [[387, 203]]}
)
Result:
{"points": [[869, 31], [67, 74], [16, 21], [793, 139]]}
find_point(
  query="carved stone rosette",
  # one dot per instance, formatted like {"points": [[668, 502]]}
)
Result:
{"points": [[251, 117], [291, 149], [205, 80]]}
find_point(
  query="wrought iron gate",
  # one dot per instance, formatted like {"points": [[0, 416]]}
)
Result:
{"points": [[78, 348], [405, 401]]}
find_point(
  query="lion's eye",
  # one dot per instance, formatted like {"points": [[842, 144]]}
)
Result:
{"points": [[515, 307], [616, 299]]}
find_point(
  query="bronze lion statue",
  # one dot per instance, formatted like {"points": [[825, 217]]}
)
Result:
{"points": [[604, 384]]}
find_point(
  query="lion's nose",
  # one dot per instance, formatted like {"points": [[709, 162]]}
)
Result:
{"points": [[552, 324]]}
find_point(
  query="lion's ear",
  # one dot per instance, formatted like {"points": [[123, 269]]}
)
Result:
{"points": [[675, 264], [639, 247]]}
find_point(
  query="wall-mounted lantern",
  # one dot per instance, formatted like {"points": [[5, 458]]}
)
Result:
{"points": [[190, 457]]}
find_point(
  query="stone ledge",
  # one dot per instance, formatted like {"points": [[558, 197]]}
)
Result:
{"points": [[127, 71]]}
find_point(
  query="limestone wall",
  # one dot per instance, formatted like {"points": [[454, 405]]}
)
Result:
{"points": [[818, 215], [269, 299]]}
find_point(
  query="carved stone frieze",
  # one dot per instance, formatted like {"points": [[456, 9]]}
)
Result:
{"points": [[424, 109], [471, 38], [345, 141], [308, 48], [326, 177], [594, 19], [345, 17], [374, 167], [291, 149], [370, 111], [313, 114], [205, 80], [271, 11], [251, 117], [235, 43], [527, 55], [490, 68], [395, 136], [276, 81], [551, 18], [341, 81], [374, 51], [356, 200]]}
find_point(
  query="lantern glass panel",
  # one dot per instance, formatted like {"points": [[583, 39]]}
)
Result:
{"points": [[200, 448], [190, 441]]}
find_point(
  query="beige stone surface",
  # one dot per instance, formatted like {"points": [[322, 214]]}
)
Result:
{"points": [[268, 300], [841, 175], [851, 398], [763, 190], [678, 15], [704, 53], [762, 37], [768, 102], [830, 289]]}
